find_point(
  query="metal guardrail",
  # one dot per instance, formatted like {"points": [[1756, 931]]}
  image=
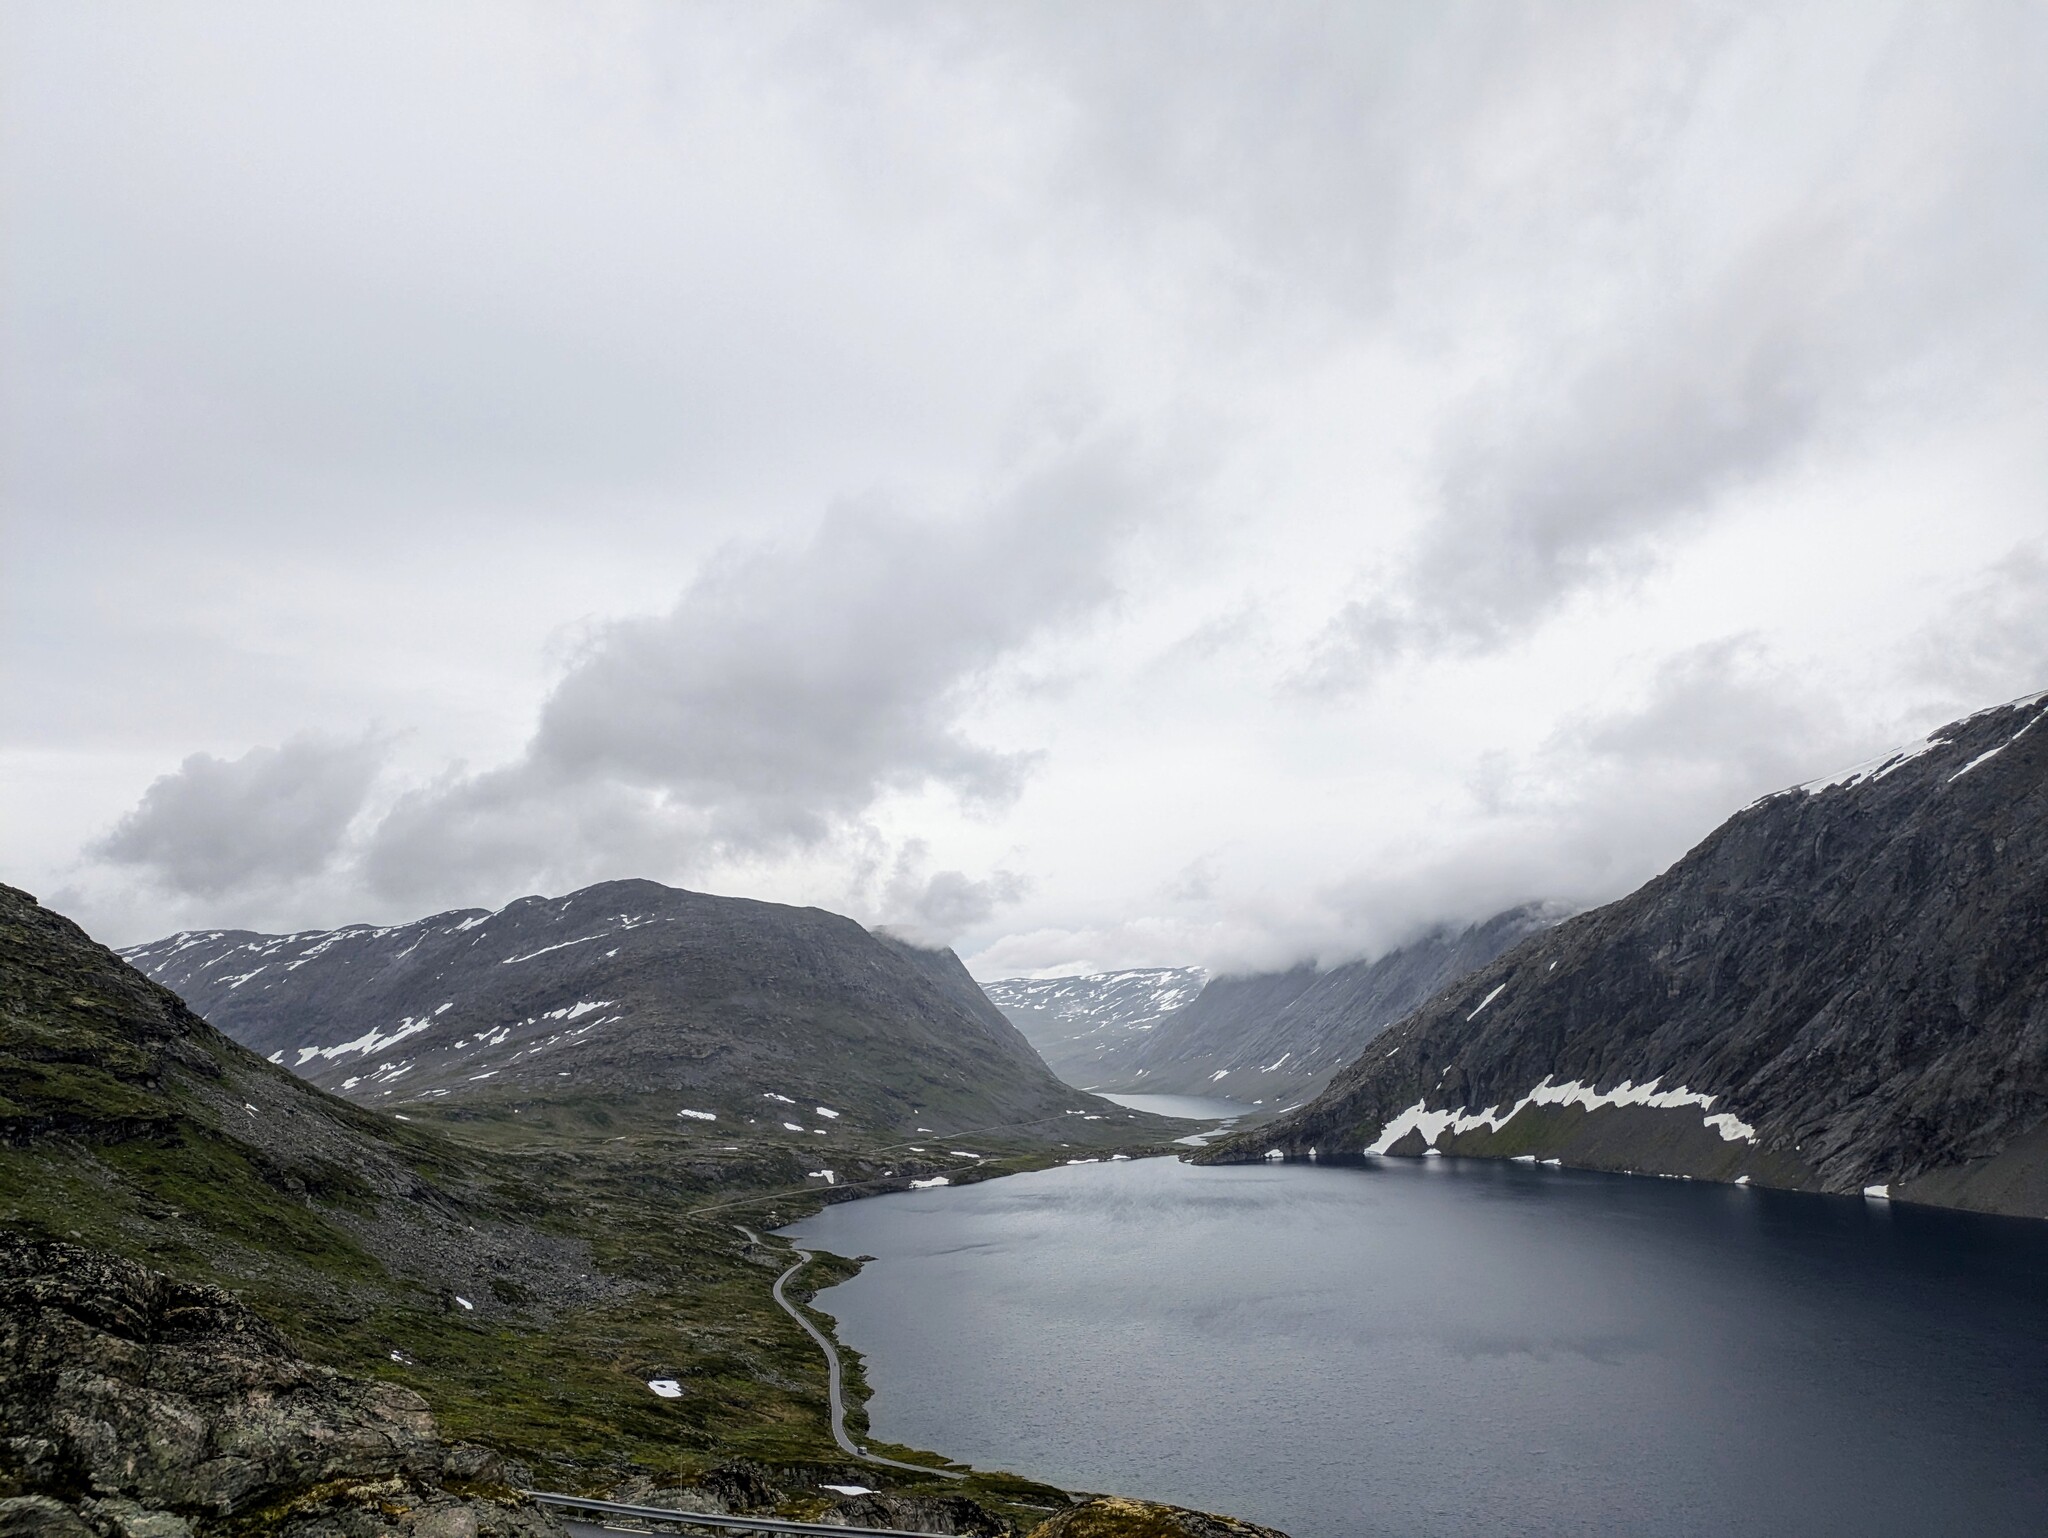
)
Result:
{"points": [[707, 1519]]}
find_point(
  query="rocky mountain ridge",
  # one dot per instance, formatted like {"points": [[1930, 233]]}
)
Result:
{"points": [[1074, 1021], [1843, 988], [632, 998], [1275, 1038]]}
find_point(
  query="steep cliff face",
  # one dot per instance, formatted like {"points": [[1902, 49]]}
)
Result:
{"points": [[1278, 1037], [626, 992], [1843, 988]]}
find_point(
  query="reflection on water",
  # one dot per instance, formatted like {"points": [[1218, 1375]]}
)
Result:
{"points": [[1461, 1348]]}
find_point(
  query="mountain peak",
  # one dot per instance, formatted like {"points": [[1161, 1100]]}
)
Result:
{"points": [[627, 991], [1840, 989]]}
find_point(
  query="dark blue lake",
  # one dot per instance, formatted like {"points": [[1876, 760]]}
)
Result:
{"points": [[1464, 1348]]}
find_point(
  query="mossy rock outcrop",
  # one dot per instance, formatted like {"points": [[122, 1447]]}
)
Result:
{"points": [[132, 1403], [1114, 1516]]}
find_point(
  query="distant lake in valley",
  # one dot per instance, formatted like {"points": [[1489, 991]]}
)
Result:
{"points": [[1448, 1348], [1188, 1107]]}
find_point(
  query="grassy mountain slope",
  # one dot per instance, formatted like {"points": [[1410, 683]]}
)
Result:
{"points": [[528, 1286]]}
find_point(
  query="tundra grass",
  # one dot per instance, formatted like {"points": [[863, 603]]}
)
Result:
{"points": [[563, 1392]]}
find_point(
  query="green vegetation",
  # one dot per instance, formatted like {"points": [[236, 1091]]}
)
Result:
{"points": [[562, 1389], [527, 1266]]}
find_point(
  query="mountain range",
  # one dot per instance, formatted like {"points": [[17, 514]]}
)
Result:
{"points": [[630, 1003], [1843, 988], [1268, 1039], [1076, 1023]]}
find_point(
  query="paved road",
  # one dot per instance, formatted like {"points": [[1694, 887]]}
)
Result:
{"points": [[834, 1374]]}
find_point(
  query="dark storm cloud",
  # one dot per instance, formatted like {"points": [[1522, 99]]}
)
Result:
{"points": [[227, 826]]}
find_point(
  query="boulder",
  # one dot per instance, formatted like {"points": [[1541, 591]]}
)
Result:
{"points": [[133, 1405]]}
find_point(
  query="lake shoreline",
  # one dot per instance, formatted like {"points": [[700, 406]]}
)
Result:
{"points": [[1055, 1275]]}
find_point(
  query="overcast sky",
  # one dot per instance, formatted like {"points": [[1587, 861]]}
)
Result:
{"points": [[1096, 484]]}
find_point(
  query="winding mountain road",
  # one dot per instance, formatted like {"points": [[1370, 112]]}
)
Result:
{"points": [[834, 1373]]}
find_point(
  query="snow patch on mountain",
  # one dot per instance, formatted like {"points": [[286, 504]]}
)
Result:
{"points": [[1101, 998], [1434, 1124]]}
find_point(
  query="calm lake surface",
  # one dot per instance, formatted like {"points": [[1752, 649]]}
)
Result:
{"points": [[1452, 1347]]}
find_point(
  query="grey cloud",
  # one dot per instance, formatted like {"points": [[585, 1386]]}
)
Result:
{"points": [[1724, 710], [1612, 797], [486, 837], [1195, 882], [1857, 295], [1550, 486], [1992, 643], [223, 826], [791, 687], [337, 336], [788, 690], [1541, 498], [443, 254], [936, 908], [1622, 792], [1308, 157]]}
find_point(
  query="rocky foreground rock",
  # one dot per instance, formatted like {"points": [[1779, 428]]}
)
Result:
{"points": [[133, 1405], [1116, 1517]]}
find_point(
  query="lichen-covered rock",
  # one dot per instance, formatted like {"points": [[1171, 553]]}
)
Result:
{"points": [[133, 1405], [38, 1516], [945, 1514], [1113, 1516], [742, 1486]]}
